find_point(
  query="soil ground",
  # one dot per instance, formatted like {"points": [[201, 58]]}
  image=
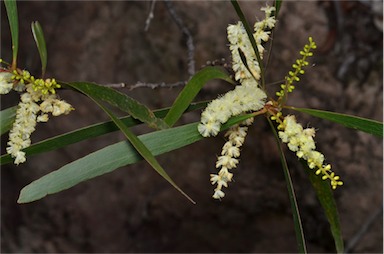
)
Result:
{"points": [[133, 209]]}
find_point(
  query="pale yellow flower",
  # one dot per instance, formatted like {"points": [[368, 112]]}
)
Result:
{"points": [[6, 83], [301, 141]]}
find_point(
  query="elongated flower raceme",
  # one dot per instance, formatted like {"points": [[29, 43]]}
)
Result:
{"points": [[228, 159], [235, 102], [24, 125], [39, 99], [238, 38], [247, 97], [293, 76], [300, 141]]}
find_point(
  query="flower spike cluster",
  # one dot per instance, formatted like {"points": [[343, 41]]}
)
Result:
{"points": [[246, 97], [39, 99], [300, 141]]}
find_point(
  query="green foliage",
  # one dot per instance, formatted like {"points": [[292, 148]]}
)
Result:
{"points": [[278, 4], [119, 100], [358, 123], [138, 111], [191, 90], [292, 197], [113, 157], [327, 201], [11, 8], [165, 137], [108, 159], [141, 148], [75, 136], [7, 117], [38, 35]]}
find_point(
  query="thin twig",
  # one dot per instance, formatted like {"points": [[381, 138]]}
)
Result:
{"points": [[150, 16], [140, 84], [116, 85], [186, 32], [157, 85], [190, 47]]}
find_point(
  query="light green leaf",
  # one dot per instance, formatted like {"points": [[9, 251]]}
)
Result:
{"points": [[292, 197], [7, 117], [11, 8], [79, 134], [120, 100], [192, 89], [112, 157], [98, 93], [108, 159], [367, 125], [142, 149], [327, 201], [38, 35]]}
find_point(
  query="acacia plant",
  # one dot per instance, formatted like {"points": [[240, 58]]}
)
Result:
{"points": [[232, 112]]}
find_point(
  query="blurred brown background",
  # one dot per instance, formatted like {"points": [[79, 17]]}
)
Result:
{"points": [[133, 209]]}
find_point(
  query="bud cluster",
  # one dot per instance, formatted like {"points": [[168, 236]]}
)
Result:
{"points": [[39, 99]]}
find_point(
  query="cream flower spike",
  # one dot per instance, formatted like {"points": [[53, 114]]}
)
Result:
{"points": [[248, 96], [300, 141], [228, 159], [39, 99], [235, 102]]}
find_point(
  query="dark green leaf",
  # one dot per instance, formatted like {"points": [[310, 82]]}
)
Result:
{"points": [[292, 197], [327, 201], [11, 8], [120, 100], [244, 61], [112, 157], [191, 90], [278, 6], [367, 125], [77, 135], [38, 35], [7, 117], [141, 149], [108, 159]]}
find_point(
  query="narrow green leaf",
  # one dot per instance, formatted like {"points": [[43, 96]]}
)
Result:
{"points": [[292, 197], [11, 8], [112, 157], [81, 134], [120, 100], [142, 149], [278, 4], [108, 159], [38, 35], [244, 61], [7, 117], [192, 89], [367, 125], [325, 195]]}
